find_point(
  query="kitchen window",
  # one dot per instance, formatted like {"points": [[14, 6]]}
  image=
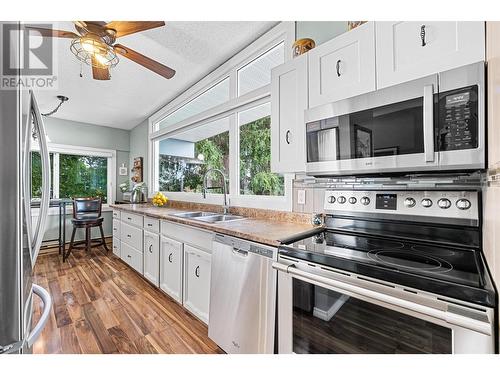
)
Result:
{"points": [[76, 172], [256, 177], [184, 159], [223, 122]]}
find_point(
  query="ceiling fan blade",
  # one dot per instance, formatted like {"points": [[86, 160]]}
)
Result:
{"points": [[145, 61], [98, 23], [53, 33], [123, 28], [100, 73]]}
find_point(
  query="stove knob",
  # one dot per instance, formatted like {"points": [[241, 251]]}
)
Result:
{"points": [[410, 202], [426, 202], [352, 200], [365, 201], [341, 199], [331, 199], [463, 204], [444, 203]]}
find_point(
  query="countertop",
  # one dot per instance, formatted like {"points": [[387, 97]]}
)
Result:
{"points": [[265, 231]]}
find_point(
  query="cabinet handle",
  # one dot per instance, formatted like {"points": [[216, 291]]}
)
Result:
{"points": [[129, 236], [150, 247], [150, 225], [170, 258], [337, 67], [197, 271], [287, 136], [129, 218], [129, 256], [422, 35]]}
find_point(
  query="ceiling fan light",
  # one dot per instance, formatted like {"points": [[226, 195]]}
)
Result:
{"points": [[94, 52]]}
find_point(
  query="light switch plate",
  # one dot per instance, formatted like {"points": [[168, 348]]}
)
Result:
{"points": [[301, 197]]}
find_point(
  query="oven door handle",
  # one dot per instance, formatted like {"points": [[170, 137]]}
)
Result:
{"points": [[429, 123], [483, 327]]}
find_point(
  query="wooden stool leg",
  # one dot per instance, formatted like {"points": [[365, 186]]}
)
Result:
{"points": [[88, 239], [102, 238], [66, 255]]}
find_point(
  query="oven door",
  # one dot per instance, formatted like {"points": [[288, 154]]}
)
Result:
{"points": [[389, 130], [318, 313]]}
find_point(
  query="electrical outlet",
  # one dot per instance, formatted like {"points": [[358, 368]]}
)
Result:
{"points": [[301, 197]]}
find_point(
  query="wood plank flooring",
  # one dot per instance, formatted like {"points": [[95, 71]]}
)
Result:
{"points": [[100, 305]]}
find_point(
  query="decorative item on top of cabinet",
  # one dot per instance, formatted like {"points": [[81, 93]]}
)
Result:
{"points": [[407, 50], [196, 288], [343, 67], [301, 46], [289, 100], [353, 24]]}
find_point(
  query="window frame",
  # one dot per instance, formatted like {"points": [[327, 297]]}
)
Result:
{"points": [[284, 32], [58, 149]]}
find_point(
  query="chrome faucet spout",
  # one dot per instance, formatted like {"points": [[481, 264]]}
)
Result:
{"points": [[224, 188]]}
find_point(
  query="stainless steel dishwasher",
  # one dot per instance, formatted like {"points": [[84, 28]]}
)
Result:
{"points": [[242, 296]]}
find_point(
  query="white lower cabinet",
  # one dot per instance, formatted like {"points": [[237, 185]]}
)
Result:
{"points": [[171, 267], [152, 257], [116, 246], [196, 290], [132, 257]]}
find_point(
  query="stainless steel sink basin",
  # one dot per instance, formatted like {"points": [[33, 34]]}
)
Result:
{"points": [[218, 218], [196, 214]]}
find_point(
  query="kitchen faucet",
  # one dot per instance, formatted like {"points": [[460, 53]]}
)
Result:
{"points": [[224, 189]]}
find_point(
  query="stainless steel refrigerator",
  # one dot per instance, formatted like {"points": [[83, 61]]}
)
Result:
{"points": [[21, 231]]}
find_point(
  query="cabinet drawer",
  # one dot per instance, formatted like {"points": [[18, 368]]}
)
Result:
{"points": [[196, 293], [189, 235], [152, 225], [116, 214], [116, 246], [343, 67], [171, 268], [132, 219], [132, 257], [131, 236], [116, 228]]}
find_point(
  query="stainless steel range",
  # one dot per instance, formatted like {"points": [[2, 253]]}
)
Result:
{"points": [[392, 272]]}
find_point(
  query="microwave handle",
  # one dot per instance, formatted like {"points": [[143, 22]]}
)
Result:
{"points": [[429, 123]]}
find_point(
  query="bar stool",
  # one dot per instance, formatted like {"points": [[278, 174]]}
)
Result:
{"points": [[86, 215]]}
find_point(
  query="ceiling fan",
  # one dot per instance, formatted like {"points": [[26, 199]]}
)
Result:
{"points": [[95, 45]]}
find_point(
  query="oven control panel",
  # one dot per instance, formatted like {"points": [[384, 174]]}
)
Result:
{"points": [[439, 204]]}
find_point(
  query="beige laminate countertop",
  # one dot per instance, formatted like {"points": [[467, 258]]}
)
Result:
{"points": [[265, 231]]}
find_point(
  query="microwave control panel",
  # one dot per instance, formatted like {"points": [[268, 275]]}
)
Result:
{"points": [[458, 119]]}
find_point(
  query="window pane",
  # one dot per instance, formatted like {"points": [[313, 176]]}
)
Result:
{"points": [[258, 72], [255, 153], [83, 176], [36, 175], [184, 159], [213, 97]]}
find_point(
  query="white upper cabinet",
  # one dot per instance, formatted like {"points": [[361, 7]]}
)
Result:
{"points": [[343, 67], [410, 50], [289, 100]]}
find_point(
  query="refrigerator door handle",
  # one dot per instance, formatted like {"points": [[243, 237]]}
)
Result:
{"points": [[47, 306], [45, 200]]}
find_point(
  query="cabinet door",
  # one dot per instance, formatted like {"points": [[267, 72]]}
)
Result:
{"points": [[116, 246], [289, 100], [132, 257], [171, 268], [409, 50], [343, 67], [196, 291], [152, 257]]}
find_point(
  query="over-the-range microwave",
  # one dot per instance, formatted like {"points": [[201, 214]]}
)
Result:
{"points": [[436, 123]]}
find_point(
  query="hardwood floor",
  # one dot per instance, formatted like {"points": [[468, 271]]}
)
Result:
{"points": [[100, 305]]}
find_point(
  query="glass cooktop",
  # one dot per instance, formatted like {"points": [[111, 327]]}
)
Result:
{"points": [[457, 272]]}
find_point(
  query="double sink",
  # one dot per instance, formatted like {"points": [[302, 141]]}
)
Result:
{"points": [[208, 217]]}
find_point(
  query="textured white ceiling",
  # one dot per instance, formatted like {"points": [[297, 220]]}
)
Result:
{"points": [[193, 49]]}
